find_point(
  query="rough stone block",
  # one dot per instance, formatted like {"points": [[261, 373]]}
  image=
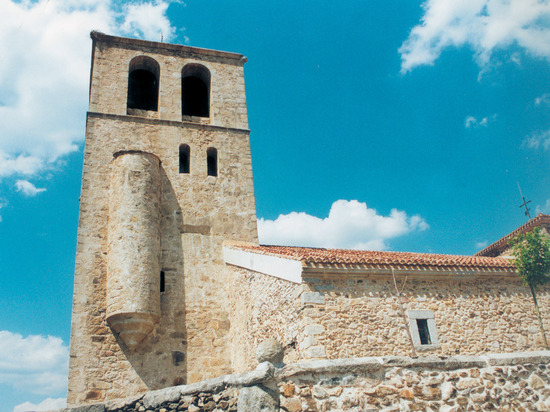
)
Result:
{"points": [[314, 329], [505, 359], [309, 342], [316, 352], [87, 408], [270, 351], [312, 297], [258, 399]]}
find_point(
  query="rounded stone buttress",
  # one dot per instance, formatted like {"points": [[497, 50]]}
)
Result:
{"points": [[133, 263]]}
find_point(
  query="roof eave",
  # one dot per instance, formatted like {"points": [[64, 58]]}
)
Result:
{"points": [[429, 273]]}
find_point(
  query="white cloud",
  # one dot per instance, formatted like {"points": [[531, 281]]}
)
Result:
{"points": [[350, 224], [35, 363], [148, 20], [545, 209], [483, 25], [2, 204], [539, 140], [471, 121], [27, 188], [47, 404], [44, 72], [482, 245], [542, 100]]}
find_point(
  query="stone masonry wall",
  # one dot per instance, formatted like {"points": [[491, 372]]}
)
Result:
{"points": [[360, 316], [109, 83], [262, 307], [503, 382]]}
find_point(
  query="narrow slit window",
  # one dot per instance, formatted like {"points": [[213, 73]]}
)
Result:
{"points": [[185, 152], [423, 331], [212, 161], [162, 281]]}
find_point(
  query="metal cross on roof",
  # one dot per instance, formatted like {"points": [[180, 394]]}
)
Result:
{"points": [[524, 203]]}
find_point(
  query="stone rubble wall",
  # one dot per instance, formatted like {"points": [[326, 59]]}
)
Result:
{"points": [[504, 382], [262, 307], [350, 317], [355, 316]]}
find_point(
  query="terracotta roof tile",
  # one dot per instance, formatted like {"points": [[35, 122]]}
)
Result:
{"points": [[376, 259], [501, 244]]}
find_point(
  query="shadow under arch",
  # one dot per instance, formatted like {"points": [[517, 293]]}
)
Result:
{"points": [[143, 83], [195, 90]]}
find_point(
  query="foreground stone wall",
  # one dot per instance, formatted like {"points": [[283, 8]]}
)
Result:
{"points": [[505, 382]]}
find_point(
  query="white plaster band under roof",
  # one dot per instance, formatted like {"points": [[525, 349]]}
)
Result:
{"points": [[282, 268]]}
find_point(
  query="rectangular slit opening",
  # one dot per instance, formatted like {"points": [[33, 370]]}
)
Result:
{"points": [[423, 331], [162, 281]]}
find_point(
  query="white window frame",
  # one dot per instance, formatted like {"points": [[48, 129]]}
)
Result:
{"points": [[432, 329]]}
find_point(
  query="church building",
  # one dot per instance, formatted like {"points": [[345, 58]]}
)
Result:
{"points": [[171, 284]]}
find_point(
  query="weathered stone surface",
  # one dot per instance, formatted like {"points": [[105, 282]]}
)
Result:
{"points": [[314, 329], [270, 351], [499, 359], [316, 352], [154, 399], [312, 297], [87, 408], [340, 366], [406, 393], [258, 399], [122, 403], [133, 284], [385, 390], [288, 390], [263, 372], [292, 405], [535, 382]]}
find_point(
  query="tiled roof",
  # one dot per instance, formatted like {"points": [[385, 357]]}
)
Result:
{"points": [[316, 256], [501, 244]]}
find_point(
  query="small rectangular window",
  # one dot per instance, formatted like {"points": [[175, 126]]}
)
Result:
{"points": [[212, 161], [185, 152], [162, 281], [423, 331]]}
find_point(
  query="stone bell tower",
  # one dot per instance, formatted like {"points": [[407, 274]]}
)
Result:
{"points": [[167, 178]]}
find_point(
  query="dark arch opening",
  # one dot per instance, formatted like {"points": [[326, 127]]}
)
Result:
{"points": [[143, 84], [212, 161], [195, 91], [185, 152]]}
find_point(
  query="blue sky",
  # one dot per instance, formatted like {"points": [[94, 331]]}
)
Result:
{"points": [[397, 125]]}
